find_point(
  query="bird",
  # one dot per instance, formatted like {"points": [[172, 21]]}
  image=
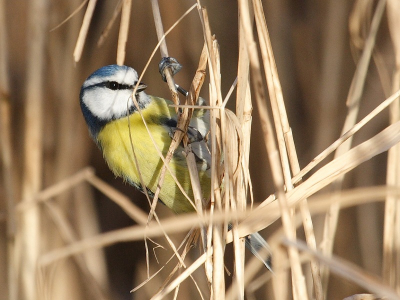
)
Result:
{"points": [[117, 127]]}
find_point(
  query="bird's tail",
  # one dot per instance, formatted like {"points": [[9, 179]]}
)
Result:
{"points": [[257, 245]]}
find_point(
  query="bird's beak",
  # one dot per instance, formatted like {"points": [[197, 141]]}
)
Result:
{"points": [[141, 87]]}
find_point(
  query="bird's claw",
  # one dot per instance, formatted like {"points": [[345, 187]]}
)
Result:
{"points": [[170, 63]]}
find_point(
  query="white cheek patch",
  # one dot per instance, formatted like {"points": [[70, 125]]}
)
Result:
{"points": [[107, 104]]}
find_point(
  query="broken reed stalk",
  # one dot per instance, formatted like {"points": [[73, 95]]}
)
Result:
{"points": [[299, 288], [289, 158]]}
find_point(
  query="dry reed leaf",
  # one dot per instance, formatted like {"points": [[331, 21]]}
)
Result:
{"points": [[352, 197], [281, 121], [70, 16], [316, 205]]}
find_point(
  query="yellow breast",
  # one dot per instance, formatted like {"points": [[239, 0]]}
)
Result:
{"points": [[118, 149]]}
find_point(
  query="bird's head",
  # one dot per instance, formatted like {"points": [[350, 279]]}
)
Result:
{"points": [[107, 93]]}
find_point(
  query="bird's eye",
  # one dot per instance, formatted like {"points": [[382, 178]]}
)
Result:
{"points": [[113, 85]]}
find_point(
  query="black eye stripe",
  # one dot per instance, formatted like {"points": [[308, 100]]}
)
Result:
{"points": [[113, 85]]}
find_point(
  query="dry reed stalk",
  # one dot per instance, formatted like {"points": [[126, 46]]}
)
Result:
{"points": [[284, 133], [192, 97], [391, 241], [353, 103], [164, 53], [29, 233], [217, 280], [251, 270], [243, 112], [80, 43], [7, 161], [123, 31]]}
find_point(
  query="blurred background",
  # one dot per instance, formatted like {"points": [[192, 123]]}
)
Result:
{"points": [[316, 46]]}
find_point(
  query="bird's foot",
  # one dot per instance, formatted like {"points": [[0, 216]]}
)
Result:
{"points": [[172, 64]]}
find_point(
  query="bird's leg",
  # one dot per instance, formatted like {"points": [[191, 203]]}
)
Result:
{"points": [[175, 67]]}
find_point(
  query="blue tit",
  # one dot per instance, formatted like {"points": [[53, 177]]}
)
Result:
{"points": [[118, 129]]}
